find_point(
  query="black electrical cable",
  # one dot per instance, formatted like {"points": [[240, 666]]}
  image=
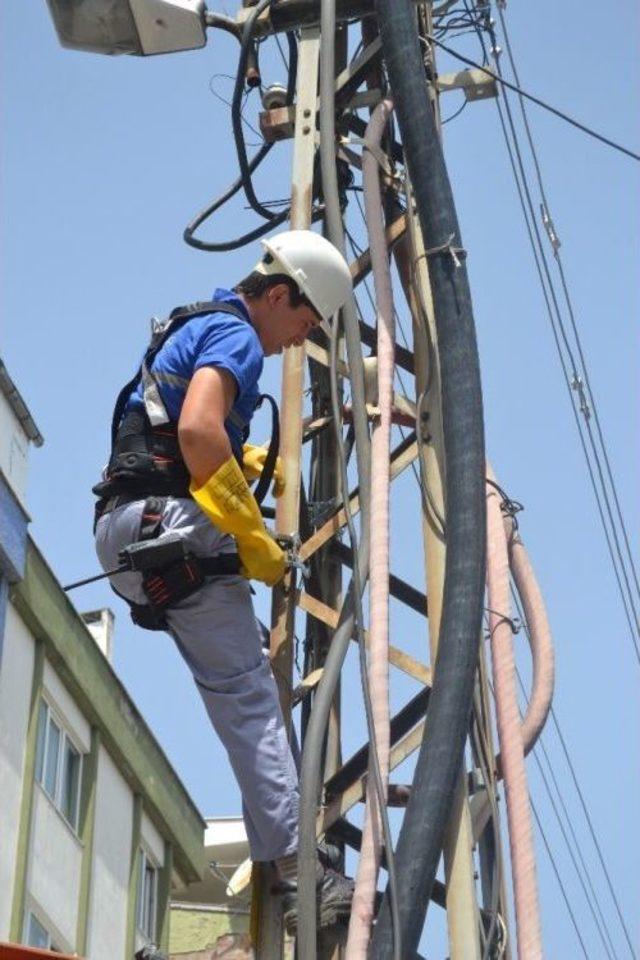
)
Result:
{"points": [[456, 113], [256, 160], [223, 245], [441, 753], [236, 108], [536, 100]]}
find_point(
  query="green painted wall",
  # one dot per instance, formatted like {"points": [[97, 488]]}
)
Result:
{"points": [[134, 876], [195, 929], [26, 804], [103, 699], [164, 899], [85, 832]]}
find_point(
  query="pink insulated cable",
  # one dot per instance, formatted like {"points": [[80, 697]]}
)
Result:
{"points": [[523, 866], [369, 863]]}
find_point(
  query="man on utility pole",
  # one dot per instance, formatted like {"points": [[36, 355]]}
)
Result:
{"points": [[175, 499]]}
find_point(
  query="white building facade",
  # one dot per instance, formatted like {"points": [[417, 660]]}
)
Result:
{"points": [[96, 830]]}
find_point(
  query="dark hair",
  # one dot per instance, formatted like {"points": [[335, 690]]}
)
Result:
{"points": [[258, 283]]}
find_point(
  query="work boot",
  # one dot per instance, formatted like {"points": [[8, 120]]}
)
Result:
{"points": [[334, 893], [150, 952]]}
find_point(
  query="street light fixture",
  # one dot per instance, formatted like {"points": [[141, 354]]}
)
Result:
{"points": [[139, 27]]}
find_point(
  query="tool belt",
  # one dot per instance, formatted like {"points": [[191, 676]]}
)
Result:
{"points": [[170, 572]]}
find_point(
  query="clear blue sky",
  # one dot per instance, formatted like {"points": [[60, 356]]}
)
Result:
{"points": [[103, 163]]}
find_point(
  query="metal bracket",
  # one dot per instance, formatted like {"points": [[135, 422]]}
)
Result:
{"points": [[476, 84]]}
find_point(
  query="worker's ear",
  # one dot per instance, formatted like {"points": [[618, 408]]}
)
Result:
{"points": [[278, 295]]}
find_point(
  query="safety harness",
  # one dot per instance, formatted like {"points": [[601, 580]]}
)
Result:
{"points": [[145, 453], [146, 462]]}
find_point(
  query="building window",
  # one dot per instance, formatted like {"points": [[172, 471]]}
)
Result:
{"points": [[147, 896], [37, 935], [58, 765]]}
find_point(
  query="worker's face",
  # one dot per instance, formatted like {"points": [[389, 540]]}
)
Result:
{"points": [[287, 326]]}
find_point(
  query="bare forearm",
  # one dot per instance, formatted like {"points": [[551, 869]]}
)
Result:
{"points": [[204, 451], [202, 436]]}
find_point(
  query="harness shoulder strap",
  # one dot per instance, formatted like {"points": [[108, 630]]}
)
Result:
{"points": [[177, 319]]}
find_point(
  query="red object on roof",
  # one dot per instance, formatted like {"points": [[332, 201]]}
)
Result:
{"points": [[17, 951]]}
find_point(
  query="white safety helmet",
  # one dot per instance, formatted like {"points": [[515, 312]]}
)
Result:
{"points": [[320, 271]]}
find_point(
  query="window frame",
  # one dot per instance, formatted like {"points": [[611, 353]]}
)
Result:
{"points": [[32, 915], [66, 741], [145, 860]]}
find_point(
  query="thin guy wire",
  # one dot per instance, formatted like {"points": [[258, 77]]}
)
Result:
{"points": [[587, 894], [587, 872], [540, 103], [551, 857], [540, 258], [583, 802], [558, 878], [567, 296], [593, 833]]}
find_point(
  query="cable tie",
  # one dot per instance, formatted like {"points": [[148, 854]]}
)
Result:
{"points": [[514, 622], [457, 254]]}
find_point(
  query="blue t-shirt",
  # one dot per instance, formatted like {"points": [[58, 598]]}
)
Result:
{"points": [[214, 340]]}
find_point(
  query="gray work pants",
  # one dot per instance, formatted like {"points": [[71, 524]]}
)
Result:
{"points": [[216, 632]]}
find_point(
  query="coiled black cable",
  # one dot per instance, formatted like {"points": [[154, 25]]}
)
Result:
{"points": [[250, 166], [246, 46]]}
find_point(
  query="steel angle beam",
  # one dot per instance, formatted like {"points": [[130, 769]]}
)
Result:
{"points": [[348, 833], [402, 457], [356, 791], [404, 358], [361, 267], [397, 658], [400, 589], [356, 767]]}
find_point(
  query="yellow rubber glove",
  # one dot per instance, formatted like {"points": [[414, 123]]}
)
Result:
{"points": [[253, 459], [226, 499]]}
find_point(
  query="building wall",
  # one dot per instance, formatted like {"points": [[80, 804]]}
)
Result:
{"points": [[111, 863], [64, 706], [196, 927], [15, 694], [152, 841], [14, 445], [53, 876]]}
